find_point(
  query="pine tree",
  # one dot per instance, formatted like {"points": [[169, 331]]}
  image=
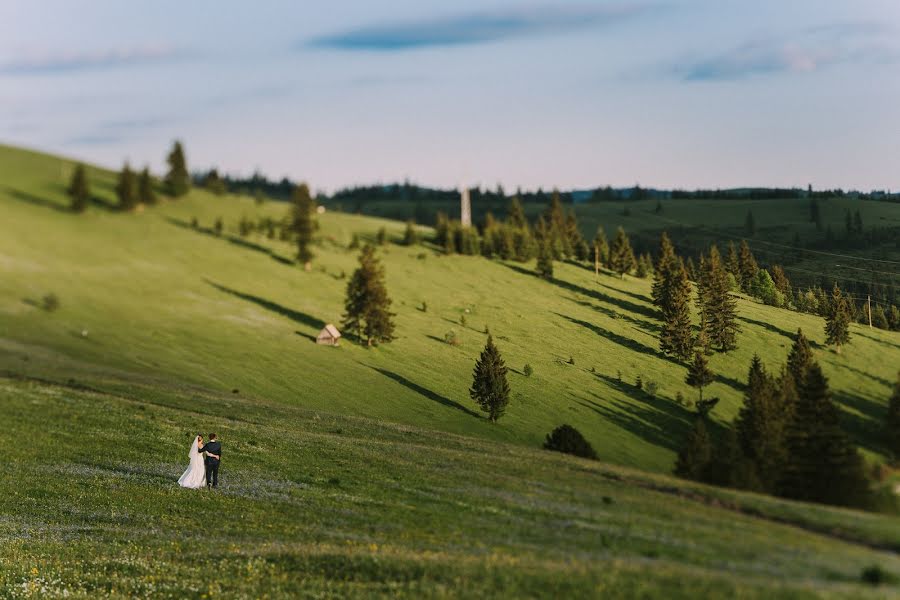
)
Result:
{"points": [[515, 214], [79, 190], [367, 305], [837, 320], [621, 256], [126, 188], [729, 467], [763, 288], [747, 265], [410, 236], [822, 465], [718, 308], [545, 261], [694, 456], [601, 247], [178, 180], [699, 375], [782, 283], [304, 223], [799, 360], [575, 241], [760, 425], [214, 183], [146, 193], [666, 263], [490, 390], [892, 422], [671, 293], [732, 264]]}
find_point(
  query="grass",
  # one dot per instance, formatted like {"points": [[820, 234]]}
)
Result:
{"points": [[360, 472]]}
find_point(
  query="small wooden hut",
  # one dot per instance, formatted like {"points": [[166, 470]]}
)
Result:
{"points": [[329, 336]]}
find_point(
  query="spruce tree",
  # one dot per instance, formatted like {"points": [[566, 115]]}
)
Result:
{"points": [[79, 190], [146, 193], [304, 223], [822, 464], [214, 183], [763, 288], [694, 456], [892, 422], [837, 320], [675, 336], [747, 265], [410, 236], [732, 264], [545, 261], [490, 390], [601, 247], [760, 425], [515, 214], [126, 188], [718, 308], [699, 375], [666, 263], [367, 305], [178, 180], [621, 256], [799, 360]]}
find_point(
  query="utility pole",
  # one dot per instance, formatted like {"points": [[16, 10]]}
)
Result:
{"points": [[869, 305]]}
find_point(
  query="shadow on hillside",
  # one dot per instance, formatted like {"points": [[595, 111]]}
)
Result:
{"points": [[626, 342], [294, 315], [625, 305], [236, 241], [772, 328], [866, 428], [425, 392], [876, 340], [860, 372], [311, 338], [35, 200], [647, 326]]}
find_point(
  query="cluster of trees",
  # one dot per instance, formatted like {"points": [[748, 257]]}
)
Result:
{"points": [[786, 440], [367, 305], [133, 189]]}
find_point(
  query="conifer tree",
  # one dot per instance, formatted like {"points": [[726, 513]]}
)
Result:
{"points": [[410, 236], [822, 464], [694, 456], [691, 269], [545, 261], [837, 320], [699, 375], [575, 241], [515, 214], [782, 283], [304, 223], [892, 422], [729, 467], [718, 308], [666, 263], [621, 256], [79, 190], [671, 293], [760, 425], [799, 360], [556, 223], [178, 180], [214, 183], [367, 305], [747, 265], [601, 247], [763, 288], [146, 193], [490, 390], [126, 188], [732, 264]]}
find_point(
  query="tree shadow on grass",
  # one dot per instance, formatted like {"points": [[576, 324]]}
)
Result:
{"points": [[867, 427], [626, 342], [294, 315], [36, 200], [876, 340], [881, 380], [236, 241], [625, 305], [772, 328], [425, 392], [647, 326]]}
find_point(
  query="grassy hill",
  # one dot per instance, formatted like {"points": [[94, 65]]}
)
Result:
{"points": [[370, 470]]}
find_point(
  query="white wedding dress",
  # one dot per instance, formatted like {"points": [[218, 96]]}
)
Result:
{"points": [[195, 476]]}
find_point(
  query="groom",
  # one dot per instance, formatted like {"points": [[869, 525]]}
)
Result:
{"points": [[213, 450]]}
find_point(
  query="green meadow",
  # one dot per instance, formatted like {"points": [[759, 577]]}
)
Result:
{"points": [[367, 472]]}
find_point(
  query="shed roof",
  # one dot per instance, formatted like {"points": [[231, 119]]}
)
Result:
{"points": [[331, 330]]}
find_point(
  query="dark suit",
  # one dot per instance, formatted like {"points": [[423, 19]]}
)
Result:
{"points": [[212, 464]]}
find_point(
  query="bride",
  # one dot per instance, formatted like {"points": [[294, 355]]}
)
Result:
{"points": [[195, 475]]}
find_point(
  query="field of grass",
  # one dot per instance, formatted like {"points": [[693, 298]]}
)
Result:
{"points": [[318, 505], [355, 471]]}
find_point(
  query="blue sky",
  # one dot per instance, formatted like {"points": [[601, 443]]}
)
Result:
{"points": [[677, 93]]}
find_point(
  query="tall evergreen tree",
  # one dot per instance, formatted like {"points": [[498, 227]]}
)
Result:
{"points": [[718, 308], [823, 465], [732, 264], [748, 267], [79, 189], [699, 375], [490, 389], [545, 261], [799, 360], [367, 305], [782, 283], [760, 426], [126, 188], [621, 256], [694, 456], [410, 236], [601, 247], [304, 223], [214, 183], [666, 263], [178, 180], [515, 214], [892, 421], [146, 193], [671, 293], [837, 320]]}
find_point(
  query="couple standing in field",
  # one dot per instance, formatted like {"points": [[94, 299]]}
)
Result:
{"points": [[203, 469]]}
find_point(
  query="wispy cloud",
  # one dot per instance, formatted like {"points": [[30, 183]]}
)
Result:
{"points": [[478, 27], [810, 50], [51, 62]]}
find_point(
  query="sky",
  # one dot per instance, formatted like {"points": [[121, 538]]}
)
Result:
{"points": [[668, 94]]}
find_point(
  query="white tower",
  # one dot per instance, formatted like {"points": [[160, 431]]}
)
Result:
{"points": [[465, 207]]}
